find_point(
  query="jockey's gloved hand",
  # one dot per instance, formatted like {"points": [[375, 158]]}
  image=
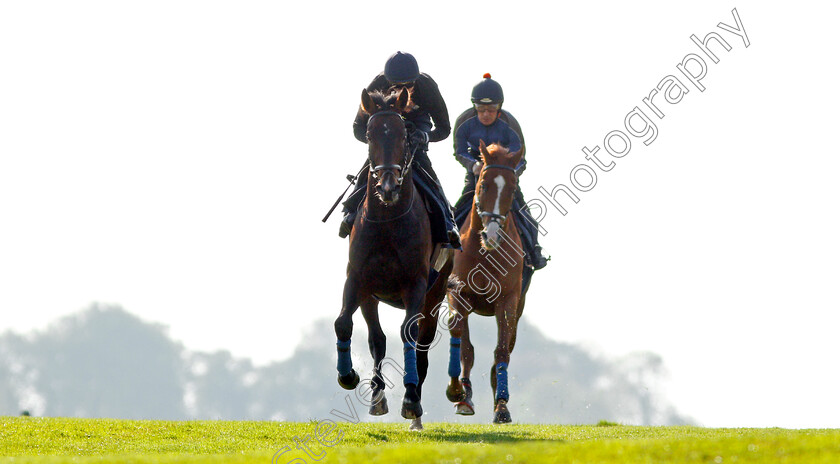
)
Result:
{"points": [[419, 138]]}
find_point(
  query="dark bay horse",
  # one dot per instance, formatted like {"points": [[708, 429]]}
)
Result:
{"points": [[487, 280], [391, 253]]}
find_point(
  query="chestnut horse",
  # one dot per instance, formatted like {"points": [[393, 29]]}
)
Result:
{"points": [[390, 256], [487, 280]]}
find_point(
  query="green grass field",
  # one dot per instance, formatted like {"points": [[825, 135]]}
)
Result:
{"points": [[51, 440]]}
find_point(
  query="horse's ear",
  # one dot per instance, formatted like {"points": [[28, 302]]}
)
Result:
{"points": [[402, 100], [368, 105], [516, 157], [482, 148]]}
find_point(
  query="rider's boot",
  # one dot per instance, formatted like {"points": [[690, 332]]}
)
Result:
{"points": [[537, 259], [351, 206], [346, 225], [532, 234], [452, 232]]}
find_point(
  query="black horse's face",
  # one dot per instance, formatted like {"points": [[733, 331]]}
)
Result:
{"points": [[386, 136]]}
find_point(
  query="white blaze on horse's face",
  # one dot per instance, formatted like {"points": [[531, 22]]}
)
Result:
{"points": [[490, 234]]}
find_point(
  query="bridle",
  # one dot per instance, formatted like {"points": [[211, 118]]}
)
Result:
{"points": [[497, 218], [408, 156]]}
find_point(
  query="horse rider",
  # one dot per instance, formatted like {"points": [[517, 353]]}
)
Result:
{"points": [[428, 110], [487, 121]]}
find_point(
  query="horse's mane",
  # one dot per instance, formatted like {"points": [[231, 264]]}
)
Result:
{"points": [[387, 99], [496, 150], [497, 154], [381, 99]]}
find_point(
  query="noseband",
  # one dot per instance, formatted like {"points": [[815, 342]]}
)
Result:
{"points": [[497, 218], [407, 157]]}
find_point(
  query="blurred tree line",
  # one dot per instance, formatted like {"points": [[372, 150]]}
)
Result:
{"points": [[105, 362]]}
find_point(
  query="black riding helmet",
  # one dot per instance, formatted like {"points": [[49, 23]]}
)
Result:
{"points": [[401, 67], [488, 92]]}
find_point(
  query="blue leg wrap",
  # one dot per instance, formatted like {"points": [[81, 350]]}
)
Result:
{"points": [[502, 382], [411, 375], [454, 356], [345, 364]]}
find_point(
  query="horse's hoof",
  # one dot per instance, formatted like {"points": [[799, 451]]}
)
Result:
{"points": [[411, 409], [349, 381], [380, 407], [416, 425], [454, 395], [465, 408], [502, 415]]}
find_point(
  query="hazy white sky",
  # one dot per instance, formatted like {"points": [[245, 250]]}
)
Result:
{"points": [[176, 157]]}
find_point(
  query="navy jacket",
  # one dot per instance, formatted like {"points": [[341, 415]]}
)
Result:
{"points": [[471, 131]]}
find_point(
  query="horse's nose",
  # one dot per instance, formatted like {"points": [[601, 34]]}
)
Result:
{"points": [[387, 191], [490, 237], [382, 191]]}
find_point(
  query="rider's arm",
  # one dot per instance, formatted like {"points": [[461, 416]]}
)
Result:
{"points": [[462, 153], [434, 104], [360, 123], [515, 145]]}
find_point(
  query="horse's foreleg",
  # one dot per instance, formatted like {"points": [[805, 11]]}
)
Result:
{"points": [[413, 300], [461, 360], [467, 352], [455, 391], [347, 376], [506, 319], [515, 328], [426, 339], [520, 309]]}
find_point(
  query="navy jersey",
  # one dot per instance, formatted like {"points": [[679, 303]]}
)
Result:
{"points": [[472, 131]]}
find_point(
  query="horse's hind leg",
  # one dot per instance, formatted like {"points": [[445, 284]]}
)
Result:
{"points": [[347, 376], [376, 343]]}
